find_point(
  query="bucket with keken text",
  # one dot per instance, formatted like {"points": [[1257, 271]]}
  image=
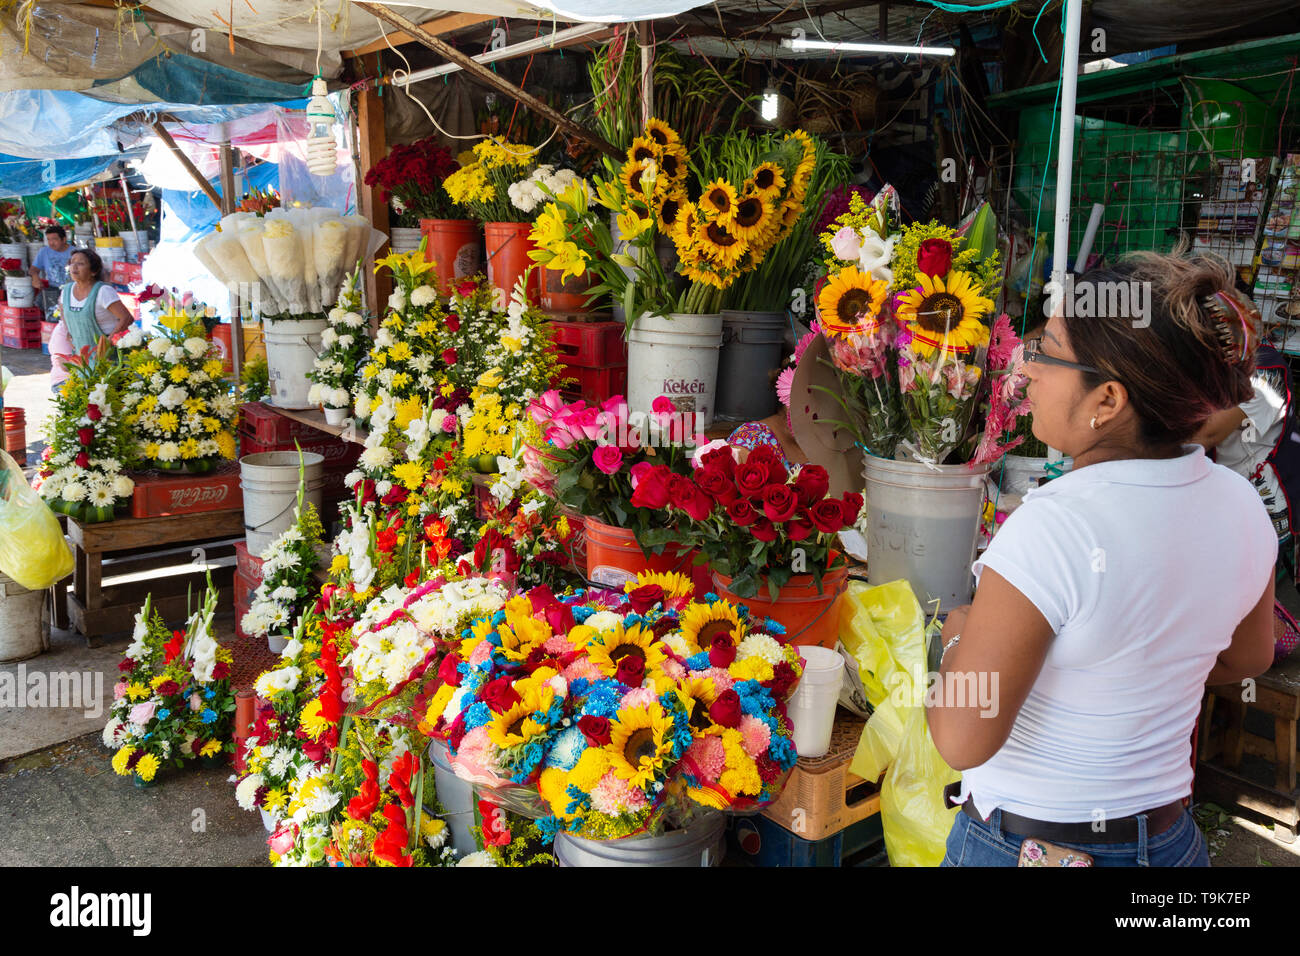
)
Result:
{"points": [[675, 356]]}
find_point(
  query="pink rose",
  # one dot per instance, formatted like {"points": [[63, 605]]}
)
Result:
{"points": [[846, 244], [607, 458], [639, 469], [281, 841], [196, 702], [142, 713], [449, 424]]}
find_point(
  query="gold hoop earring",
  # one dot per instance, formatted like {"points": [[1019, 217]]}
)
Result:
{"points": [[1093, 423]]}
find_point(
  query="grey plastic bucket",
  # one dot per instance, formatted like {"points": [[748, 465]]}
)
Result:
{"points": [[24, 621], [923, 524], [751, 349], [269, 480], [700, 844], [457, 799]]}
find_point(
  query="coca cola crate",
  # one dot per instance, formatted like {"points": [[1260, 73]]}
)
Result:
{"points": [[333, 490], [247, 564], [20, 341], [245, 588], [159, 495], [13, 313], [589, 344], [263, 423], [124, 273], [336, 452], [596, 384], [240, 611], [47, 331]]}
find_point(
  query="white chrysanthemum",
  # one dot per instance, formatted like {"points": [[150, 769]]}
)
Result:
{"points": [[169, 451], [279, 763], [52, 486], [314, 394], [174, 355], [604, 620], [424, 295], [760, 645], [477, 858], [101, 497], [111, 731], [132, 340], [123, 487], [397, 301], [156, 382], [196, 347], [353, 320], [328, 337], [422, 362], [383, 487], [246, 791], [284, 594], [346, 341], [377, 458], [74, 491], [335, 315], [436, 418], [351, 478], [339, 398], [158, 347], [173, 396], [223, 406], [199, 377], [254, 624], [678, 645]]}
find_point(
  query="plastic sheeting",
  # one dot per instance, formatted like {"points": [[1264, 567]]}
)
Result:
{"points": [[20, 176]]}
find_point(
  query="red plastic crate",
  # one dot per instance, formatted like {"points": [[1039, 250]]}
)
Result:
{"points": [[47, 331], [589, 344], [245, 588], [596, 384], [124, 273], [336, 452], [20, 342], [19, 330], [266, 425], [20, 313], [333, 490], [240, 611], [170, 494], [247, 564]]}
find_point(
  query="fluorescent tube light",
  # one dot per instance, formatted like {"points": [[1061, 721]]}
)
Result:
{"points": [[800, 44]]}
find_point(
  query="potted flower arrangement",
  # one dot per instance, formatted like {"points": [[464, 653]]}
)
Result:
{"points": [[82, 474], [413, 177], [178, 402], [345, 342], [483, 189]]}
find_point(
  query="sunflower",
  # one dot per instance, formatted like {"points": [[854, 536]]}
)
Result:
{"points": [[675, 585], [701, 623], [720, 245], [606, 650], [631, 174], [673, 161], [719, 199], [668, 208], [697, 695], [643, 148], [753, 219], [661, 133], [640, 741], [767, 181], [945, 314], [683, 235], [515, 726], [850, 301], [520, 632]]}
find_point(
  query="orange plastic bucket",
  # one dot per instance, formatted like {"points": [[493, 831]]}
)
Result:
{"points": [[221, 336], [570, 296], [508, 246], [808, 617], [453, 247], [614, 558], [16, 433]]}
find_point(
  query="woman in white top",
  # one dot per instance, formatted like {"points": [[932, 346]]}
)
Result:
{"points": [[82, 324], [1114, 594]]}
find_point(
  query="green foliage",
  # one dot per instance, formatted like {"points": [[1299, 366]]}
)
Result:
{"points": [[255, 381]]}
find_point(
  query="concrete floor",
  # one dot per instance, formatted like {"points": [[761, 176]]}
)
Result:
{"points": [[30, 390]]}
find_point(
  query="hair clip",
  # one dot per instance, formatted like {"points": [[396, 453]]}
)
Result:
{"points": [[1238, 324]]}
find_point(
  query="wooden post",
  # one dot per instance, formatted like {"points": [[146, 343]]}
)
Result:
{"points": [[372, 146], [190, 168], [647, 72], [227, 155]]}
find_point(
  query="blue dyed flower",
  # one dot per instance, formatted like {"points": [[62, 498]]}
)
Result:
{"points": [[711, 598], [742, 610], [498, 618], [782, 750], [548, 827], [209, 694], [580, 614], [567, 749], [478, 715], [603, 699], [578, 686], [208, 716], [164, 714], [698, 662], [774, 627]]}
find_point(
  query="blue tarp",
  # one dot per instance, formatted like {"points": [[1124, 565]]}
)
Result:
{"points": [[185, 79], [20, 176]]}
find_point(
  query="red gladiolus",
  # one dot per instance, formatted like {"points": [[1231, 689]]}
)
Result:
{"points": [[764, 530], [726, 710], [495, 831], [779, 502], [934, 257], [93, 412], [827, 515], [595, 729], [173, 647], [404, 768], [390, 846], [362, 806], [386, 540], [126, 665]]}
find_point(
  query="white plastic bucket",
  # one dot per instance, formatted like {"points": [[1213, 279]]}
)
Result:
{"points": [[1019, 473], [111, 253], [24, 622], [267, 821], [33, 250], [675, 356], [269, 480], [291, 349], [336, 416], [812, 705], [457, 799], [403, 239], [135, 243], [922, 524], [276, 643], [700, 844], [19, 291], [15, 250]]}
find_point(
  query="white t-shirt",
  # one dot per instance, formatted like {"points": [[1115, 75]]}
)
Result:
{"points": [[1143, 568]]}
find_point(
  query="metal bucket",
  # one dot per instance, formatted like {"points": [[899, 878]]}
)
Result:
{"points": [[700, 844], [457, 799], [751, 350], [922, 526]]}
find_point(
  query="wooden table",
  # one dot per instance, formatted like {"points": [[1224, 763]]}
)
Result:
{"points": [[185, 546], [316, 419]]}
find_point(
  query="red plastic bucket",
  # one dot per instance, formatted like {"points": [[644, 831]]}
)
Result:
{"points": [[453, 247], [807, 616], [221, 336], [508, 246], [570, 296], [614, 558], [16, 433]]}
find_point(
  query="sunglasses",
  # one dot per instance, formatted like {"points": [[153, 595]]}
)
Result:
{"points": [[1034, 353]]}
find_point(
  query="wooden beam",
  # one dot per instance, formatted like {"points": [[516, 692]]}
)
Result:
{"points": [[185, 161], [647, 72], [496, 82], [434, 27], [372, 146]]}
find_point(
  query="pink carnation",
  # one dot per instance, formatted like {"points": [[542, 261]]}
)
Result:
{"points": [[721, 679], [612, 796], [583, 667], [119, 690], [754, 736], [642, 697], [706, 758], [477, 754], [557, 644], [482, 651], [674, 670]]}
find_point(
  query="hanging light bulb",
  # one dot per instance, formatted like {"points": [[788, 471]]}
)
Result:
{"points": [[322, 154]]}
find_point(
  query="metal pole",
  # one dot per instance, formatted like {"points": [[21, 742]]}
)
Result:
{"points": [[647, 72], [126, 194], [1065, 155]]}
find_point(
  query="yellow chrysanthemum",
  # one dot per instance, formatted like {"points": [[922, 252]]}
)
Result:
{"points": [[168, 422], [120, 760], [591, 766], [701, 623], [311, 721], [146, 767], [189, 448], [752, 668], [944, 314], [640, 741], [214, 368], [607, 649], [553, 787], [741, 775], [148, 403], [137, 691], [438, 704], [178, 373], [850, 302], [226, 445], [210, 749], [275, 799]]}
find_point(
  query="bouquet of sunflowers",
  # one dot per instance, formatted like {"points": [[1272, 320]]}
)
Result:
{"points": [[905, 313]]}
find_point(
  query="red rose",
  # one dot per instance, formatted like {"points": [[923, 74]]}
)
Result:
{"points": [[725, 711], [741, 513], [699, 506], [595, 729], [719, 458], [86, 436], [645, 597], [811, 485], [652, 490], [680, 491], [631, 670], [851, 504], [495, 831], [82, 460], [766, 456], [499, 695], [800, 526], [934, 258], [715, 482], [779, 502], [93, 413], [763, 530], [453, 323], [396, 495], [827, 515], [722, 652], [448, 671], [751, 478], [449, 356], [167, 688], [456, 733]]}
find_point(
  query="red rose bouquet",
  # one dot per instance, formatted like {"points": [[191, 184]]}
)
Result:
{"points": [[412, 175], [753, 520]]}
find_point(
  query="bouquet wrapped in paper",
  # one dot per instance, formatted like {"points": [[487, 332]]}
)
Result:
{"points": [[284, 260]]}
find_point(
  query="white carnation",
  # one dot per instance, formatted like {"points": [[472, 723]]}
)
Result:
{"points": [[377, 458], [424, 295], [158, 347]]}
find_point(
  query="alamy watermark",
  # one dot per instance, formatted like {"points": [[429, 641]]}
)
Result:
{"points": [[958, 689], [78, 690], [1099, 300]]}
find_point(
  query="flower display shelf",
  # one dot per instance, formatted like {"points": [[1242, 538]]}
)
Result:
{"points": [[166, 546]]}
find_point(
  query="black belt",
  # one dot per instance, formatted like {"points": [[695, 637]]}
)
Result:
{"points": [[1123, 830]]}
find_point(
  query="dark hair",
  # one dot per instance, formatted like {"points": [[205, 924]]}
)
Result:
{"points": [[92, 259], [56, 230], [1172, 360]]}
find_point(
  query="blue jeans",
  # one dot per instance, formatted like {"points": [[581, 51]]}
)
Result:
{"points": [[975, 843]]}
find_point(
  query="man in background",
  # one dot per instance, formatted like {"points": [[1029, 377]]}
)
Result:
{"points": [[50, 269]]}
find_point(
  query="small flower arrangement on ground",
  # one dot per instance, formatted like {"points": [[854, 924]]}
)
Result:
{"points": [[90, 443], [178, 402], [526, 542], [345, 344]]}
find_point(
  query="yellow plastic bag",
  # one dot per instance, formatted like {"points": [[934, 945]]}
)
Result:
{"points": [[32, 550], [886, 633]]}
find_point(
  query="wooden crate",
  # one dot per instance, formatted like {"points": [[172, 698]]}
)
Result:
{"points": [[821, 795], [168, 493]]}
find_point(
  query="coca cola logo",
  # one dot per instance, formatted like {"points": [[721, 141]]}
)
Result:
{"points": [[204, 495]]}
